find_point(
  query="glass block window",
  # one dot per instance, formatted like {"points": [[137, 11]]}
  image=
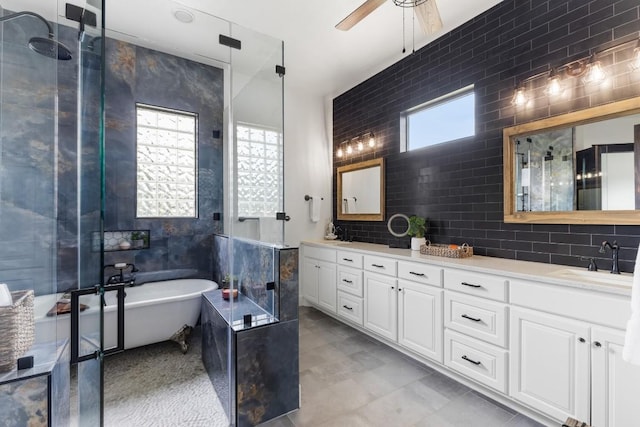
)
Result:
{"points": [[166, 163], [259, 171]]}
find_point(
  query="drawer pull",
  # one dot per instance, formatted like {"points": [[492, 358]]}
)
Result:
{"points": [[416, 274], [597, 344], [471, 361], [377, 265], [471, 285], [347, 281], [347, 307], [471, 318], [347, 259]]}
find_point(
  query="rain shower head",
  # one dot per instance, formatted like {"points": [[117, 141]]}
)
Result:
{"points": [[50, 48], [44, 46]]}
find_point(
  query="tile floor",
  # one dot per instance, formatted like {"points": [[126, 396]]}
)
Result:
{"points": [[349, 379]]}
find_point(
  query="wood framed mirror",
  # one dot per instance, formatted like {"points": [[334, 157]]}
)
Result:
{"points": [[577, 168], [361, 191]]}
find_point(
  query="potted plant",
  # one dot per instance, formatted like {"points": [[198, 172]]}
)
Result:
{"points": [[140, 239], [417, 228]]}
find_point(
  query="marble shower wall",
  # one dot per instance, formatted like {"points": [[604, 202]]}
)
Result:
{"points": [[140, 75]]}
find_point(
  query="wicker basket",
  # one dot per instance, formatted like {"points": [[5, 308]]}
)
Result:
{"points": [[16, 329], [462, 251]]}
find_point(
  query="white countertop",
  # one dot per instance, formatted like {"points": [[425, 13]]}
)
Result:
{"points": [[576, 277]]}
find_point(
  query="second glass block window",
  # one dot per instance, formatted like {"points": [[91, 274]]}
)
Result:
{"points": [[259, 182], [166, 162]]}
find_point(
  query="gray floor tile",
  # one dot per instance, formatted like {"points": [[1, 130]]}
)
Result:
{"points": [[521, 421], [468, 410]]}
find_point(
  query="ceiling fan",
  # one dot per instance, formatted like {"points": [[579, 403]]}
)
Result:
{"points": [[426, 11]]}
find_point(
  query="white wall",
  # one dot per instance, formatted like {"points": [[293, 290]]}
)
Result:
{"points": [[307, 162]]}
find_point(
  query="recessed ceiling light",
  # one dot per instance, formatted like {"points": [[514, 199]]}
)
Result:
{"points": [[183, 15]]}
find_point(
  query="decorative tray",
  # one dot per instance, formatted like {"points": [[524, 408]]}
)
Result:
{"points": [[449, 251]]}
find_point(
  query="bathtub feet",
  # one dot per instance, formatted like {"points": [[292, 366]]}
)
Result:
{"points": [[182, 338]]}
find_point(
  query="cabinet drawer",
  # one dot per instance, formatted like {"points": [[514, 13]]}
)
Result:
{"points": [[350, 307], [482, 362], [351, 259], [480, 318], [380, 265], [350, 280], [478, 284], [323, 254], [421, 273]]}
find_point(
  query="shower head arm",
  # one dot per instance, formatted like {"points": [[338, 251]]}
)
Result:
{"points": [[35, 15]]}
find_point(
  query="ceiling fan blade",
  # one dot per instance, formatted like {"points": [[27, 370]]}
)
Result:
{"points": [[429, 17], [359, 14]]}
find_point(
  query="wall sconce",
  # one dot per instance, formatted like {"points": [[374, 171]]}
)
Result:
{"points": [[595, 73], [554, 84], [635, 61], [356, 144], [519, 96], [589, 68]]}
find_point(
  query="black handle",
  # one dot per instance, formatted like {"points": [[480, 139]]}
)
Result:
{"points": [[471, 318], [393, 287], [377, 265], [597, 344], [471, 285], [347, 259], [581, 339], [347, 307], [416, 274], [471, 361], [347, 281]]}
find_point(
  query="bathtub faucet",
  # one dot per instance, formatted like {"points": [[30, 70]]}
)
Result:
{"points": [[129, 280]]}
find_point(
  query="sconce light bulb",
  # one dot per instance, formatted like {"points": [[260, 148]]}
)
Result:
{"points": [[360, 146], [339, 153], [519, 97], [372, 141], [554, 86], [635, 59], [349, 149], [595, 73]]}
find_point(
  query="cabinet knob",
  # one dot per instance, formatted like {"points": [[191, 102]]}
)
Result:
{"points": [[597, 344], [393, 287], [582, 339], [399, 289]]}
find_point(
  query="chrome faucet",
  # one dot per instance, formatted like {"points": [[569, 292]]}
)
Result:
{"points": [[615, 269], [120, 277]]}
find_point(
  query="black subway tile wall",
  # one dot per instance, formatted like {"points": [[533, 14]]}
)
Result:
{"points": [[458, 185]]}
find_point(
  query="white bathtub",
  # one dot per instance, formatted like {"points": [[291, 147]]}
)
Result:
{"points": [[153, 312]]}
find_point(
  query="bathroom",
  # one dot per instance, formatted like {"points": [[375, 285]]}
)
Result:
{"points": [[458, 187]]}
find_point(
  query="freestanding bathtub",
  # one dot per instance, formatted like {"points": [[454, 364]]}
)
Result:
{"points": [[153, 312]]}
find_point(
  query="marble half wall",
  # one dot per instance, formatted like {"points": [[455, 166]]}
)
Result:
{"points": [[254, 265]]}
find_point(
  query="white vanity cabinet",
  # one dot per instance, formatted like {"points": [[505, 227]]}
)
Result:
{"points": [[547, 347], [550, 363], [615, 384], [420, 319], [380, 305], [319, 277]]}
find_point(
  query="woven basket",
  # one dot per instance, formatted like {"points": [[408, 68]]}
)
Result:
{"points": [[463, 251], [16, 329]]}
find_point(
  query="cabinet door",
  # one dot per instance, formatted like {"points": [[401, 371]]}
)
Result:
{"points": [[327, 286], [380, 305], [420, 319], [310, 279], [549, 367], [615, 383]]}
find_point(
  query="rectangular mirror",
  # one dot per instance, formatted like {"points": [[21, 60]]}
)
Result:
{"points": [[361, 191], [576, 168]]}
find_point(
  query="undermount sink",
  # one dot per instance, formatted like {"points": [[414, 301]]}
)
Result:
{"points": [[594, 277]]}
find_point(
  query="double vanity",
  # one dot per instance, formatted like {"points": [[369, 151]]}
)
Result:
{"points": [[544, 339]]}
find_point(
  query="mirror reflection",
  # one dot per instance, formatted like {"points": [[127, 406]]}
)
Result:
{"points": [[584, 167], [575, 168], [361, 191]]}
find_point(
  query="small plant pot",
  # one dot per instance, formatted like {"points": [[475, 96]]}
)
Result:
{"points": [[416, 242]]}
